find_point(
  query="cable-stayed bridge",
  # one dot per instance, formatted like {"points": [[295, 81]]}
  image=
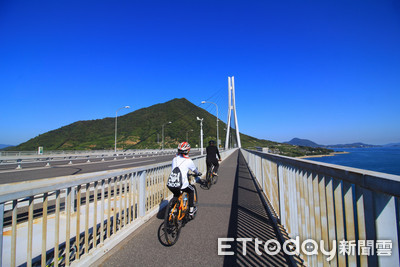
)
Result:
{"points": [[265, 210]]}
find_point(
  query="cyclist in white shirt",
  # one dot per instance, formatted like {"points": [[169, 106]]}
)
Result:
{"points": [[184, 163]]}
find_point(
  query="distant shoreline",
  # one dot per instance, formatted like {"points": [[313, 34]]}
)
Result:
{"points": [[326, 155]]}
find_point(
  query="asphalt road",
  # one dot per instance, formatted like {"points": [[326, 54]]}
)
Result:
{"points": [[231, 208], [37, 170]]}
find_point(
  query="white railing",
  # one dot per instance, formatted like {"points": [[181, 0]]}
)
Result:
{"points": [[76, 219], [55, 158], [336, 204], [29, 156]]}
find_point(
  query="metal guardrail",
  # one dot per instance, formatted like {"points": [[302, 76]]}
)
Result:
{"points": [[52, 152], [75, 219], [28, 156], [328, 202], [75, 152], [57, 159]]}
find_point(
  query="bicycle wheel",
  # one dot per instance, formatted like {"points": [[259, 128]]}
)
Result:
{"points": [[195, 195], [208, 180], [172, 228], [215, 179]]}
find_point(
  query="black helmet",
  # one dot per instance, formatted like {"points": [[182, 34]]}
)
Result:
{"points": [[211, 142]]}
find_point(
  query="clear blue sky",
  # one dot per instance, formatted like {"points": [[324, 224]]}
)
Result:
{"points": [[328, 71]]}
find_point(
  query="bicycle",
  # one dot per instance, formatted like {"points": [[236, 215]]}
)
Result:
{"points": [[211, 178], [177, 215]]}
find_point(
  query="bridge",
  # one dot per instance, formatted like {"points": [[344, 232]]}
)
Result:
{"points": [[265, 210]]}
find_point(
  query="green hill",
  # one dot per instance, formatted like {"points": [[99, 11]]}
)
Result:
{"points": [[142, 129], [138, 129], [303, 142]]}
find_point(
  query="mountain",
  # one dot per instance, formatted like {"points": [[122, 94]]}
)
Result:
{"points": [[139, 129], [303, 142], [392, 145], [2, 146], [308, 143], [143, 129], [353, 145]]}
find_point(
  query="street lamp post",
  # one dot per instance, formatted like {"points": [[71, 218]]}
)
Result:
{"points": [[216, 106], [187, 138], [163, 134], [201, 134], [116, 116]]}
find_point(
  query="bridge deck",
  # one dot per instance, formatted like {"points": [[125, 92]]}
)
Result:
{"points": [[232, 208]]}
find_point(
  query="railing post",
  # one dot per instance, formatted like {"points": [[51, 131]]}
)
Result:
{"points": [[339, 217], [73, 204], [366, 222], [281, 199], [330, 208], [263, 176], [386, 225], [142, 194], [323, 212], [1, 232], [350, 223]]}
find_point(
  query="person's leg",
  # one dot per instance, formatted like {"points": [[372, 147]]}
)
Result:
{"points": [[216, 166], [190, 192], [209, 163]]}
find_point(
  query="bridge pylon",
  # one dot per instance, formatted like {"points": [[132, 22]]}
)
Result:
{"points": [[232, 108]]}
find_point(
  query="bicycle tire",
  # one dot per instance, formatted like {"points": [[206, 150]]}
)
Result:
{"points": [[208, 180], [215, 179], [172, 227], [196, 200], [212, 176]]}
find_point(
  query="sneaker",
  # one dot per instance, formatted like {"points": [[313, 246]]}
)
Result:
{"points": [[215, 174], [192, 211]]}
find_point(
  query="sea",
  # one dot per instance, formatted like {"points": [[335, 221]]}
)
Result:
{"points": [[379, 159]]}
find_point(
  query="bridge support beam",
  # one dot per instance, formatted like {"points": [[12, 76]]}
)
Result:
{"points": [[232, 108]]}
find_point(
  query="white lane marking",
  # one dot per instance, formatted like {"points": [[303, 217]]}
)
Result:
{"points": [[66, 165], [131, 163]]}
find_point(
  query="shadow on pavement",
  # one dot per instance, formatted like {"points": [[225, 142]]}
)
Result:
{"points": [[249, 219], [161, 209]]}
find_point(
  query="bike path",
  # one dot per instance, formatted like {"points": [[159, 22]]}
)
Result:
{"points": [[231, 208]]}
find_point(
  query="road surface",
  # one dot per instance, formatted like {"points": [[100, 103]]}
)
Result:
{"points": [[38, 170]]}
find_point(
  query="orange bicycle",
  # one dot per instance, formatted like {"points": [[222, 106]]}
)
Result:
{"points": [[177, 215]]}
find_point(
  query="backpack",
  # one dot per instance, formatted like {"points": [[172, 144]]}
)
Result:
{"points": [[175, 179]]}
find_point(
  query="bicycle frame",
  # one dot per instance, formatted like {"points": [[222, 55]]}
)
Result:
{"points": [[211, 169], [182, 209]]}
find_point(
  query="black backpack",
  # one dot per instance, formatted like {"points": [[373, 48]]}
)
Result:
{"points": [[175, 179]]}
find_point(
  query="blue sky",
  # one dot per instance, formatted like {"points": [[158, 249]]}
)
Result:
{"points": [[328, 71]]}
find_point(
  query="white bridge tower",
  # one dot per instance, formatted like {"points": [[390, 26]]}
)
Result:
{"points": [[232, 107]]}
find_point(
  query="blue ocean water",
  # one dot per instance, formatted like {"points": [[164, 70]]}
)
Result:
{"points": [[380, 159]]}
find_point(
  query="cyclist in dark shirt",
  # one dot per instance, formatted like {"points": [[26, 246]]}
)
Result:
{"points": [[212, 153]]}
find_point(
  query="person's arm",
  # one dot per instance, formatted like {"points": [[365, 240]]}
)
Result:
{"points": [[194, 169], [218, 154]]}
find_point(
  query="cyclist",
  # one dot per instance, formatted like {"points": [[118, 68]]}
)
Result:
{"points": [[184, 164], [212, 153]]}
